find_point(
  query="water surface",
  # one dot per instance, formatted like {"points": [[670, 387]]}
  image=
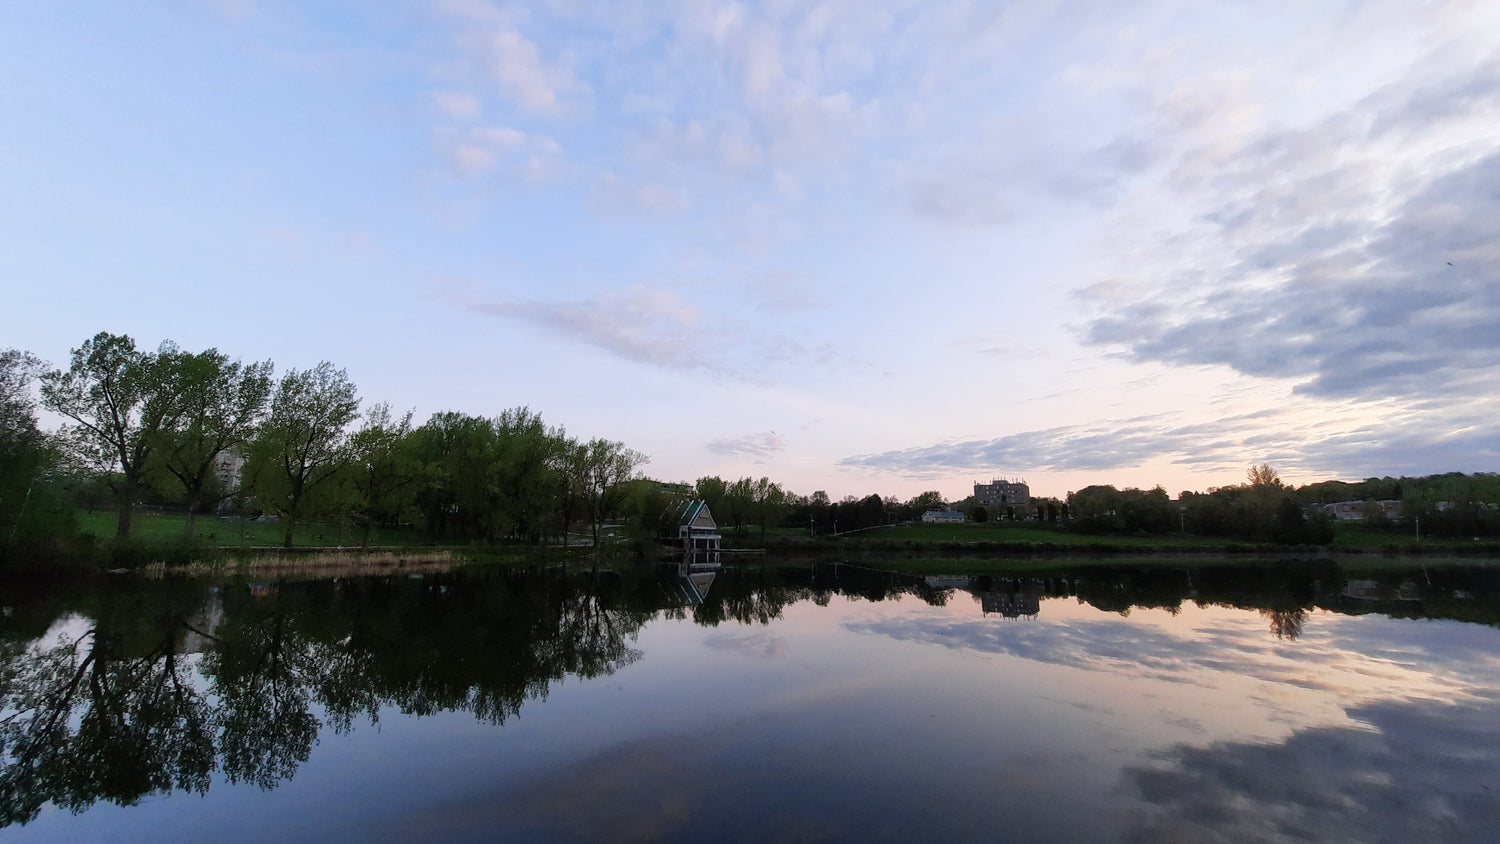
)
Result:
{"points": [[808, 703]]}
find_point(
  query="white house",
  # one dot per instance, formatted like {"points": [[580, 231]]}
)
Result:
{"points": [[943, 516]]}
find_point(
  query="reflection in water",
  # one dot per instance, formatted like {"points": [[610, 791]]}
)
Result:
{"points": [[1417, 771], [157, 687], [121, 710], [1286, 624]]}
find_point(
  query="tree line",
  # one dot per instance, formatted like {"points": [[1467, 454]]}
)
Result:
{"points": [[205, 433], [202, 431], [1266, 509]]}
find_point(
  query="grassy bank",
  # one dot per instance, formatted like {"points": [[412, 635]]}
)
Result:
{"points": [[1025, 539], [152, 528]]}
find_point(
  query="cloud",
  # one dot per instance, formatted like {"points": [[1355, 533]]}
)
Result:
{"points": [[638, 324], [457, 105], [483, 150], [1092, 447], [516, 66], [1362, 267], [613, 196], [758, 447], [1299, 441]]}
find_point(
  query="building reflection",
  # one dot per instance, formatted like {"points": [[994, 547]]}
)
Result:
{"points": [[1010, 604]]}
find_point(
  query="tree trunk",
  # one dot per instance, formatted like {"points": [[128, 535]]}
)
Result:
{"points": [[288, 542], [122, 527], [127, 504]]}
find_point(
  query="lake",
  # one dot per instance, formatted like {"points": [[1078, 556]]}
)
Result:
{"points": [[811, 702]]}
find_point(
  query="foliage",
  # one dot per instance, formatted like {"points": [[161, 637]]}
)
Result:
{"points": [[1104, 509], [121, 401], [33, 513], [222, 405], [303, 445]]}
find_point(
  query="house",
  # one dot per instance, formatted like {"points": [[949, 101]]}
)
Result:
{"points": [[942, 516], [696, 528], [1358, 511], [1013, 493]]}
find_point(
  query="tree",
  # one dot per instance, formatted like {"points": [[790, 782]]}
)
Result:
{"points": [[768, 504], [222, 403], [27, 457], [1263, 476], [382, 468], [921, 503], [607, 464], [736, 503], [122, 400], [303, 445], [525, 463], [711, 490]]}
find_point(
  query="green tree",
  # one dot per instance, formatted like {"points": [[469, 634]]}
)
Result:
{"points": [[768, 504], [607, 464], [121, 401], [921, 503], [524, 469], [383, 470], [711, 490], [738, 499], [30, 510], [223, 402], [303, 445]]}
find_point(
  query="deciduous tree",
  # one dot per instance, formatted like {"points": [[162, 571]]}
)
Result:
{"points": [[222, 403], [121, 400], [303, 444]]}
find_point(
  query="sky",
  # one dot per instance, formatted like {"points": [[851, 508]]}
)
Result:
{"points": [[853, 247]]}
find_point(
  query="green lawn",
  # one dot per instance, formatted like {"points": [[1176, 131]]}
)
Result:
{"points": [[156, 528], [1354, 536], [1022, 532]]}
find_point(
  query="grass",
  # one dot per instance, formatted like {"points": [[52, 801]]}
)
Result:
{"points": [[1014, 532], [167, 528]]}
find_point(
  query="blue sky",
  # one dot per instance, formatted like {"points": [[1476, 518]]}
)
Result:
{"points": [[855, 247]]}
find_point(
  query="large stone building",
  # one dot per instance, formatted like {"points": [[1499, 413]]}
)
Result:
{"points": [[1009, 493]]}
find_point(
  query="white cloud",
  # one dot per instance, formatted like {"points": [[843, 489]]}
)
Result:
{"points": [[758, 447], [517, 67], [638, 324], [614, 196], [483, 150], [457, 105]]}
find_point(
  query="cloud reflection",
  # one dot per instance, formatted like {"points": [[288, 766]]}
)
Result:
{"points": [[1419, 771], [1357, 659]]}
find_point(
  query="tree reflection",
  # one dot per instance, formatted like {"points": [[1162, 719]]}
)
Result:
{"points": [[84, 723], [173, 683], [1286, 624]]}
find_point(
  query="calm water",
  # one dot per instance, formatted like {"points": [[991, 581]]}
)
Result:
{"points": [[822, 703]]}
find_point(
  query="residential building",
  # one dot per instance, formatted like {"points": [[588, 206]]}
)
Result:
{"points": [[1011, 493]]}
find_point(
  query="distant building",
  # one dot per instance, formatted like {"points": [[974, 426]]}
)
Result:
{"points": [[1358, 511], [228, 466], [942, 516], [1014, 493]]}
